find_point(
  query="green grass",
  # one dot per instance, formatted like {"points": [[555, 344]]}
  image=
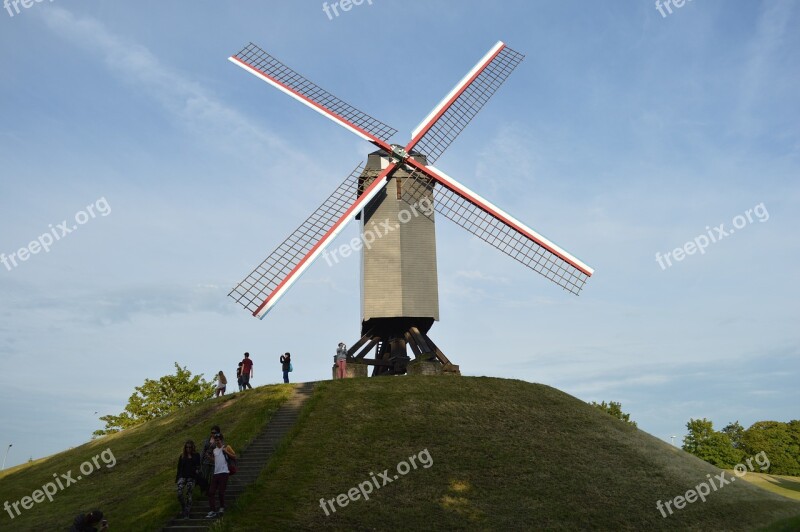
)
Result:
{"points": [[507, 455], [137, 493], [780, 484]]}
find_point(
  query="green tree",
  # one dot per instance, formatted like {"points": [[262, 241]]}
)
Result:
{"points": [[779, 441], [614, 409], [710, 445], [735, 432], [156, 398]]}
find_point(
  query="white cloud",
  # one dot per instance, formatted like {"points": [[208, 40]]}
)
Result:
{"points": [[190, 104]]}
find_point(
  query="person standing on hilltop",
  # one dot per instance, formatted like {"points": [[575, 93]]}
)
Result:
{"points": [[286, 366], [247, 371], [222, 383], [341, 360], [239, 377]]}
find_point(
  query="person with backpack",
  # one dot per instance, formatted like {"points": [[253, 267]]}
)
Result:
{"points": [[222, 383], [219, 481], [286, 366], [188, 469]]}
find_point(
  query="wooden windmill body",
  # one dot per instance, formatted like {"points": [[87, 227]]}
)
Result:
{"points": [[396, 196]]}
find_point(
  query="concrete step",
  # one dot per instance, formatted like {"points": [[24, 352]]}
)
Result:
{"points": [[251, 462]]}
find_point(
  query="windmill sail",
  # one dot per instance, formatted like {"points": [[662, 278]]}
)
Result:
{"points": [[267, 283], [488, 222], [260, 290], [442, 125], [266, 67]]}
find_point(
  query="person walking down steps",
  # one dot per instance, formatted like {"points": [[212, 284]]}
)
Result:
{"points": [[219, 481], [207, 461], [188, 469], [286, 366]]}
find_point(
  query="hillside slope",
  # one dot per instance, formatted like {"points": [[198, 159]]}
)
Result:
{"points": [[132, 480], [501, 455], [488, 454]]}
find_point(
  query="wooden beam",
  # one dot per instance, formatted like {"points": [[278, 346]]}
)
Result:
{"points": [[413, 344], [443, 359], [366, 349], [421, 340], [355, 347], [374, 362]]}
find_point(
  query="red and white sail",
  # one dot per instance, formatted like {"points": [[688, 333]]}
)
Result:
{"points": [[266, 284], [270, 280]]}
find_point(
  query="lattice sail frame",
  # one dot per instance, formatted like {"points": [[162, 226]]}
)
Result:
{"points": [[276, 274], [496, 232], [268, 68], [253, 291], [448, 119]]}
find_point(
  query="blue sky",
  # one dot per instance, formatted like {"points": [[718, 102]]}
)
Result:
{"points": [[623, 133]]}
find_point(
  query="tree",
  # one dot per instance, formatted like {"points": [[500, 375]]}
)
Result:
{"points": [[735, 432], [614, 409], [712, 446], [155, 399], [779, 441]]}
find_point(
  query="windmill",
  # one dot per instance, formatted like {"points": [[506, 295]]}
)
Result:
{"points": [[399, 287]]}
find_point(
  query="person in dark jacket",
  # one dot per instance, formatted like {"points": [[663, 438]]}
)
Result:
{"points": [[86, 522], [188, 469], [286, 365], [207, 461]]}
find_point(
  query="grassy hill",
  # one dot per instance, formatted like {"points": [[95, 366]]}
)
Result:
{"points": [[136, 492], [506, 455], [487, 454]]}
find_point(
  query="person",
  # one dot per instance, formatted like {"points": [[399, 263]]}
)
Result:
{"points": [[222, 383], [219, 482], [188, 468], [247, 371], [85, 522], [207, 463], [239, 377], [341, 360], [286, 366]]}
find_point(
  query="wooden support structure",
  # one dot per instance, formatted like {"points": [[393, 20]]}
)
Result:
{"points": [[390, 346]]}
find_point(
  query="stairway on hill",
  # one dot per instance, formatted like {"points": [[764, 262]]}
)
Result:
{"points": [[250, 461]]}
